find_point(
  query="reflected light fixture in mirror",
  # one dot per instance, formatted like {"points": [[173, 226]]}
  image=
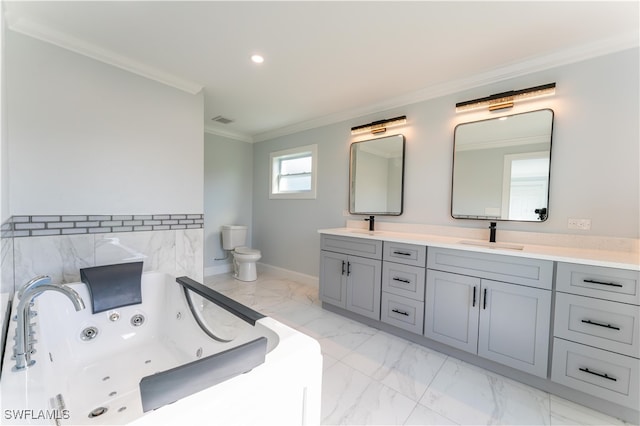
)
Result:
{"points": [[506, 99], [379, 126]]}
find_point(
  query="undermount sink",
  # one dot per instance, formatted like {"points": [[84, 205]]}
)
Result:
{"points": [[364, 231], [487, 244]]}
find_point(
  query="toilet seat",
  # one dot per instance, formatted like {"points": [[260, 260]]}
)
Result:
{"points": [[246, 250]]}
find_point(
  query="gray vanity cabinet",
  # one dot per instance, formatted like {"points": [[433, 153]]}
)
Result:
{"points": [[348, 279], [498, 320], [596, 346], [403, 272]]}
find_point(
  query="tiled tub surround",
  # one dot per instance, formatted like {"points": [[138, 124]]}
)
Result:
{"points": [[177, 252], [59, 245], [34, 226]]}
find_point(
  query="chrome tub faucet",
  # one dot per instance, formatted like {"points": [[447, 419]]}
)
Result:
{"points": [[23, 348]]}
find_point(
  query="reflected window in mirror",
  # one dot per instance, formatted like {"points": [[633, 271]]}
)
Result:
{"points": [[501, 167], [376, 176]]}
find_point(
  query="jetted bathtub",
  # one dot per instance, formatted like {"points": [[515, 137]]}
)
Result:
{"points": [[161, 362]]}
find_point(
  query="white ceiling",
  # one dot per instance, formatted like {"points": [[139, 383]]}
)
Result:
{"points": [[326, 61]]}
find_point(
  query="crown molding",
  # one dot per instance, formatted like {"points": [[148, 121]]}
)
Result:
{"points": [[517, 69], [228, 134], [47, 34]]}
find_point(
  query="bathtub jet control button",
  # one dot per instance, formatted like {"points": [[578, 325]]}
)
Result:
{"points": [[137, 320], [89, 333], [97, 412]]}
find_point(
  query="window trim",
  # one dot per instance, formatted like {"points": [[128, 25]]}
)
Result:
{"points": [[300, 151]]}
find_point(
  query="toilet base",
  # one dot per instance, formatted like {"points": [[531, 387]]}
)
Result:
{"points": [[245, 271]]}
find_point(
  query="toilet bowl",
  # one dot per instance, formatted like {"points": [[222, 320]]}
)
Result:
{"points": [[244, 263], [244, 258]]}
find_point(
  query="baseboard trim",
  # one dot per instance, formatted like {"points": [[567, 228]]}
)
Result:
{"points": [[218, 270], [286, 273], [265, 268]]}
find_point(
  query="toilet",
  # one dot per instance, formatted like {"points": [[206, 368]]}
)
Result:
{"points": [[244, 258]]}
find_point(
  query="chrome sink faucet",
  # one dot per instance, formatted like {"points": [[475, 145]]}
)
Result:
{"points": [[23, 348]]}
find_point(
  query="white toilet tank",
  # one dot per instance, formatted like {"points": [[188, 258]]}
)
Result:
{"points": [[233, 236]]}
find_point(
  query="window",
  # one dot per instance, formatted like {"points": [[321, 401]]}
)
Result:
{"points": [[293, 173], [525, 184]]}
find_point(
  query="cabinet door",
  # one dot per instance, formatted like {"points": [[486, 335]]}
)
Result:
{"points": [[451, 309], [514, 326], [333, 268], [364, 281]]}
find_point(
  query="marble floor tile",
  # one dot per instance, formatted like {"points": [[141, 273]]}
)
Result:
{"points": [[349, 397], [397, 363], [564, 412], [471, 395], [422, 415]]}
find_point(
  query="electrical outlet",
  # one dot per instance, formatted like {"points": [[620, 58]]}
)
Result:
{"points": [[581, 224]]}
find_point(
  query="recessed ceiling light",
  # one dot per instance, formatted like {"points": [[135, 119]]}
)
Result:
{"points": [[258, 59]]}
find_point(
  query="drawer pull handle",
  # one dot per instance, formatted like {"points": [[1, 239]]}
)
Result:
{"points": [[400, 312], [402, 253], [600, 324], [602, 283], [473, 305], [348, 268], [402, 280], [603, 375], [343, 265]]}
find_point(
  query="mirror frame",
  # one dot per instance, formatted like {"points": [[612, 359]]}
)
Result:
{"points": [[453, 165], [351, 178]]}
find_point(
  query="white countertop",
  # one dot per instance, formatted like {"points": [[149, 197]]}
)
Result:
{"points": [[612, 259]]}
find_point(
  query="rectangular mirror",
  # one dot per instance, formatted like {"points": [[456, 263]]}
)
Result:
{"points": [[376, 176], [501, 168]]}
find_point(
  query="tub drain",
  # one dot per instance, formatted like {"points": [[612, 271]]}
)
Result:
{"points": [[137, 320], [97, 412], [89, 333]]}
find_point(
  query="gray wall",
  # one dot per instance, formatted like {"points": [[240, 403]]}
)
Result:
{"points": [[594, 165], [228, 183], [89, 138]]}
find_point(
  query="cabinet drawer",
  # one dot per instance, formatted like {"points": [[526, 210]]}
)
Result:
{"points": [[402, 312], [403, 280], [597, 372], [512, 269], [355, 246], [409, 254], [595, 322], [620, 285]]}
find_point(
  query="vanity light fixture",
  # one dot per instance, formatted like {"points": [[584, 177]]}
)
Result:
{"points": [[379, 126], [506, 99]]}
